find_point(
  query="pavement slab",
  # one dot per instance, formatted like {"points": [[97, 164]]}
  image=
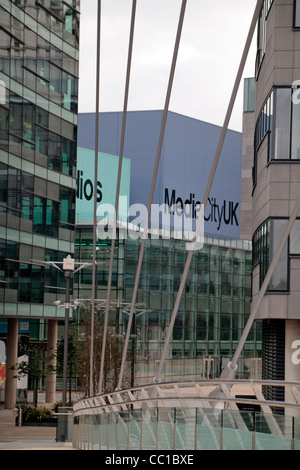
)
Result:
{"points": [[14, 437]]}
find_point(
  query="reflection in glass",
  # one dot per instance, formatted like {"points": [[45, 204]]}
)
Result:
{"points": [[297, 14], [279, 280], [295, 150], [282, 123], [295, 239]]}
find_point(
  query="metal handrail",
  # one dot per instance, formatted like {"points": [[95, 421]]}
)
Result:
{"points": [[177, 391]]}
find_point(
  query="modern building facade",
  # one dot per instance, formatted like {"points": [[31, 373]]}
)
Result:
{"points": [[216, 302], [213, 312], [247, 158], [276, 178], [39, 52], [186, 158]]}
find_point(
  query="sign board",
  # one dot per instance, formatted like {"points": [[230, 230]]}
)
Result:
{"points": [[186, 161], [108, 166]]}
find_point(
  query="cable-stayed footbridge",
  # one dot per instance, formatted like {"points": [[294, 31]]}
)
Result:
{"points": [[182, 415]]}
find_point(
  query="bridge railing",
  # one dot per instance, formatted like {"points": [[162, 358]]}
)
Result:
{"points": [[208, 414], [203, 393]]}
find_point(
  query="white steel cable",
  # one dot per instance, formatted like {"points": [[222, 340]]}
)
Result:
{"points": [[256, 14], [157, 160], [94, 271], [112, 249]]}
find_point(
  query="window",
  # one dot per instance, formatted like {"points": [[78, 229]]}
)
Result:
{"points": [[26, 206], [56, 84], [286, 140], [249, 95], [295, 135], [71, 23], [38, 214], [45, 216], [54, 151], [13, 188], [67, 208], [11, 267], [3, 183], [24, 291], [28, 124], [296, 14], [282, 124], [265, 243], [5, 41], [37, 285], [263, 129], [52, 218], [16, 115], [4, 114], [261, 34], [279, 119], [279, 280], [42, 62], [295, 239], [41, 140]]}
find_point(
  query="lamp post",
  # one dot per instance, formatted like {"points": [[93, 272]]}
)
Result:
{"points": [[68, 265], [69, 269], [67, 305]]}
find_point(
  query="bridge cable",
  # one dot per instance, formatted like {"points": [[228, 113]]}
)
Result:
{"points": [[255, 18], [94, 280], [131, 37], [155, 171]]}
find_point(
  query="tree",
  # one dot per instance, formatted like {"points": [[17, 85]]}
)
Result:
{"points": [[35, 367], [113, 356]]}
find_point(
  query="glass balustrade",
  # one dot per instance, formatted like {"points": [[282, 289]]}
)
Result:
{"points": [[186, 429]]}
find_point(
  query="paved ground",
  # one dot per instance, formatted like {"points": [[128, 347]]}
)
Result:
{"points": [[13, 437]]}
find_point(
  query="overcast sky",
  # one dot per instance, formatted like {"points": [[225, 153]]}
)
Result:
{"points": [[212, 43]]}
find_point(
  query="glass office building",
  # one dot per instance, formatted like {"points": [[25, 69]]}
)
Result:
{"points": [[39, 53], [38, 132], [213, 311], [216, 301]]}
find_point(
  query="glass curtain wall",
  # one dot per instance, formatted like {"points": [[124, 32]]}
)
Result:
{"points": [[39, 44], [213, 310]]}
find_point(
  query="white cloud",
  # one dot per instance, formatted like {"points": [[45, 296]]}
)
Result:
{"points": [[212, 43]]}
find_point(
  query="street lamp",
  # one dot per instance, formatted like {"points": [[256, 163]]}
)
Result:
{"points": [[68, 267], [67, 305]]}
